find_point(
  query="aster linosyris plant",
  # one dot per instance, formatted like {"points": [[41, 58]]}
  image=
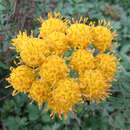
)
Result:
{"points": [[44, 68]]}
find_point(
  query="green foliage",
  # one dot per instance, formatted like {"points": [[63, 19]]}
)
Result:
{"points": [[125, 55], [17, 114]]}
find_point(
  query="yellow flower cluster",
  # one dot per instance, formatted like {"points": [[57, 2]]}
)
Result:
{"points": [[40, 91], [53, 24], [58, 43], [79, 35], [94, 85], [20, 40], [66, 94], [107, 64], [45, 71], [85, 60], [21, 78], [53, 69]]}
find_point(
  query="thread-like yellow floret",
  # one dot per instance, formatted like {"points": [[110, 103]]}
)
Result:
{"points": [[20, 40]]}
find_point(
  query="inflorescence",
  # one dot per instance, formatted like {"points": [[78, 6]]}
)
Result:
{"points": [[43, 70]]}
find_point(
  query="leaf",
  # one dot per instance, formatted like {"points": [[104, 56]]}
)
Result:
{"points": [[4, 66], [75, 128], [23, 121], [12, 124], [2, 7], [46, 118], [38, 126], [47, 127], [119, 121], [55, 126], [33, 112]]}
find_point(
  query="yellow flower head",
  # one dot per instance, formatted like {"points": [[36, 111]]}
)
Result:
{"points": [[60, 52], [20, 40], [52, 24], [53, 69], [40, 92], [21, 78], [102, 38], [66, 94], [107, 64], [79, 35], [58, 43], [94, 86], [81, 60], [34, 52]]}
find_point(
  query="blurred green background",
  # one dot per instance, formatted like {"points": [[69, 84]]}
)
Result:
{"points": [[17, 114]]}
